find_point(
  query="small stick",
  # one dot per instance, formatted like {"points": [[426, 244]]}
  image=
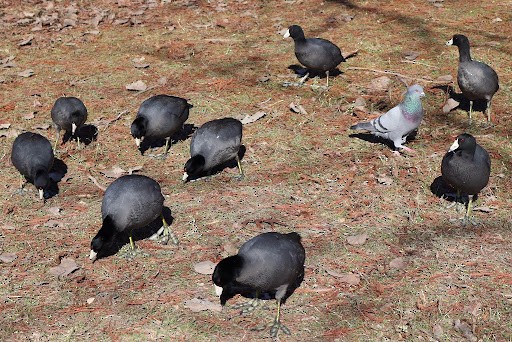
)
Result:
{"points": [[389, 73], [96, 182]]}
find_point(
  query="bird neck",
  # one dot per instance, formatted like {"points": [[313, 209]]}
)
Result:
{"points": [[464, 52], [411, 106]]}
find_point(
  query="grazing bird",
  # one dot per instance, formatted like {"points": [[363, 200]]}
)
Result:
{"points": [[316, 54], [400, 121], [130, 202], [270, 265], [476, 80], [159, 117], [466, 167], [32, 156], [214, 143], [68, 113]]}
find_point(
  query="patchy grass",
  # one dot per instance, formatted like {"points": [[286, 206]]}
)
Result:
{"points": [[303, 172]]}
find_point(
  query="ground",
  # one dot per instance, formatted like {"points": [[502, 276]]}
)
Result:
{"points": [[419, 275]]}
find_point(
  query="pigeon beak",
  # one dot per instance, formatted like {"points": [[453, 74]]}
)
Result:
{"points": [[185, 176], [450, 42], [422, 94], [454, 146], [137, 142], [286, 34], [93, 255], [41, 193], [218, 290], [73, 128]]}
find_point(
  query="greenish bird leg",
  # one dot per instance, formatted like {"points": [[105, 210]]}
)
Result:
{"points": [[240, 169], [132, 245], [488, 111], [303, 79], [167, 233], [327, 76], [56, 141], [166, 145], [248, 306], [276, 326], [470, 110]]}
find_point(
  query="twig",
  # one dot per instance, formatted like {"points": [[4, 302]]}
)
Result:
{"points": [[96, 182], [145, 90], [390, 73], [116, 118], [421, 63]]}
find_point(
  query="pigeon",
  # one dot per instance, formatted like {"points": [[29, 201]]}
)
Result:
{"points": [[476, 80], [68, 113], [32, 156], [316, 54], [400, 121], [214, 143], [466, 167], [268, 266], [158, 117], [130, 202]]}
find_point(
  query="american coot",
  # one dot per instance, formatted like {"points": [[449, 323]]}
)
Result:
{"points": [[476, 80], [466, 167], [159, 117], [270, 265], [130, 202], [68, 113], [398, 122], [314, 53], [213, 144], [32, 156]]}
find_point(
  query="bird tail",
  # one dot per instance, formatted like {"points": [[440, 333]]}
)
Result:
{"points": [[363, 126], [294, 236]]}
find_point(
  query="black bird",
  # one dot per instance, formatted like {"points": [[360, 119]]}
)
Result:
{"points": [[314, 53], [466, 167], [159, 117], [476, 80], [32, 156], [270, 265], [68, 113], [213, 144], [130, 202]]}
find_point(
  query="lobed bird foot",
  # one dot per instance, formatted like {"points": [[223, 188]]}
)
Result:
{"points": [[163, 235], [248, 307], [275, 327], [129, 253]]}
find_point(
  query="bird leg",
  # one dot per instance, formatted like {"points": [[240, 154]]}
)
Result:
{"points": [[56, 141], [488, 110], [327, 77], [132, 244], [241, 171], [470, 111], [303, 79], [166, 146], [277, 325], [164, 234]]}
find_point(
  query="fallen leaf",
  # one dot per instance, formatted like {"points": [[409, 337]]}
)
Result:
{"points": [[349, 54], [137, 86], [134, 169], [52, 223], [115, 172], [26, 73], [162, 81], [411, 55], [449, 105], [385, 180], [8, 257], [438, 332], [139, 63], [356, 240], [484, 209], [29, 116], [464, 329], [380, 83], [398, 263], [197, 305], [473, 308], [348, 278], [204, 267], [297, 108], [67, 266], [41, 126], [5, 125], [55, 211], [252, 118], [26, 41], [90, 300], [444, 79], [263, 79]]}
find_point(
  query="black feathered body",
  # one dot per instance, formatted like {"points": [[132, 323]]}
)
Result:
{"points": [[164, 115], [132, 201], [270, 265], [67, 111], [318, 54], [477, 80], [218, 141], [32, 153], [467, 171]]}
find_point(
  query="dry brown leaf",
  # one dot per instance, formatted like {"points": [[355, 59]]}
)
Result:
{"points": [[55, 211], [473, 308], [438, 332], [29, 116], [137, 86], [464, 329], [450, 105], [252, 118], [398, 263], [66, 267], [484, 209], [356, 240], [51, 223], [411, 55], [197, 305], [5, 125], [385, 180], [26, 41], [444, 79], [380, 83], [204, 267], [297, 108], [115, 172], [139, 63], [26, 73], [7, 257], [348, 278], [134, 169]]}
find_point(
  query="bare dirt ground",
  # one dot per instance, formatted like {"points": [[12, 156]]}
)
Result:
{"points": [[420, 275]]}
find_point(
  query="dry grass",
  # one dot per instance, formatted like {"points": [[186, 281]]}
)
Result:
{"points": [[303, 173]]}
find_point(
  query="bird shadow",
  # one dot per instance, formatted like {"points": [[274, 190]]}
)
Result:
{"points": [[300, 71], [87, 134], [443, 190], [379, 140], [57, 172], [219, 168], [123, 238], [478, 105], [183, 134]]}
